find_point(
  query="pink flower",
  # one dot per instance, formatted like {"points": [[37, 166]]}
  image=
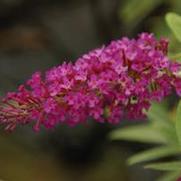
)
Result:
{"points": [[107, 84]]}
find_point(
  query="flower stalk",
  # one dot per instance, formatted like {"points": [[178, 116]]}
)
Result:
{"points": [[108, 84]]}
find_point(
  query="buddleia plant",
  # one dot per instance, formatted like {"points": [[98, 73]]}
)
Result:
{"points": [[162, 131]]}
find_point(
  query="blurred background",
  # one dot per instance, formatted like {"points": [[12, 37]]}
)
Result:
{"points": [[38, 34]]}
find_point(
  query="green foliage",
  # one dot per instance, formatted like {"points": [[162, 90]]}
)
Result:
{"points": [[178, 122], [166, 166], [141, 10], [152, 154], [176, 56], [174, 22], [148, 134], [170, 176], [161, 131]]}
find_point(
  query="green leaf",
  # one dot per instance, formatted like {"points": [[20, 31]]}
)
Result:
{"points": [[178, 122], [158, 113], [167, 130], [170, 176], [176, 56], [141, 133], [174, 22], [154, 153], [166, 166], [141, 11]]}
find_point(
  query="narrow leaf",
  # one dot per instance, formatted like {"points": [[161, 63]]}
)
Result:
{"points": [[178, 122], [153, 154], [141, 133], [170, 176], [158, 113], [174, 22], [166, 166]]}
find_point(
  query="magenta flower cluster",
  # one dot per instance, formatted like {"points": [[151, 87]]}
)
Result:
{"points": [[108, 84]]}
